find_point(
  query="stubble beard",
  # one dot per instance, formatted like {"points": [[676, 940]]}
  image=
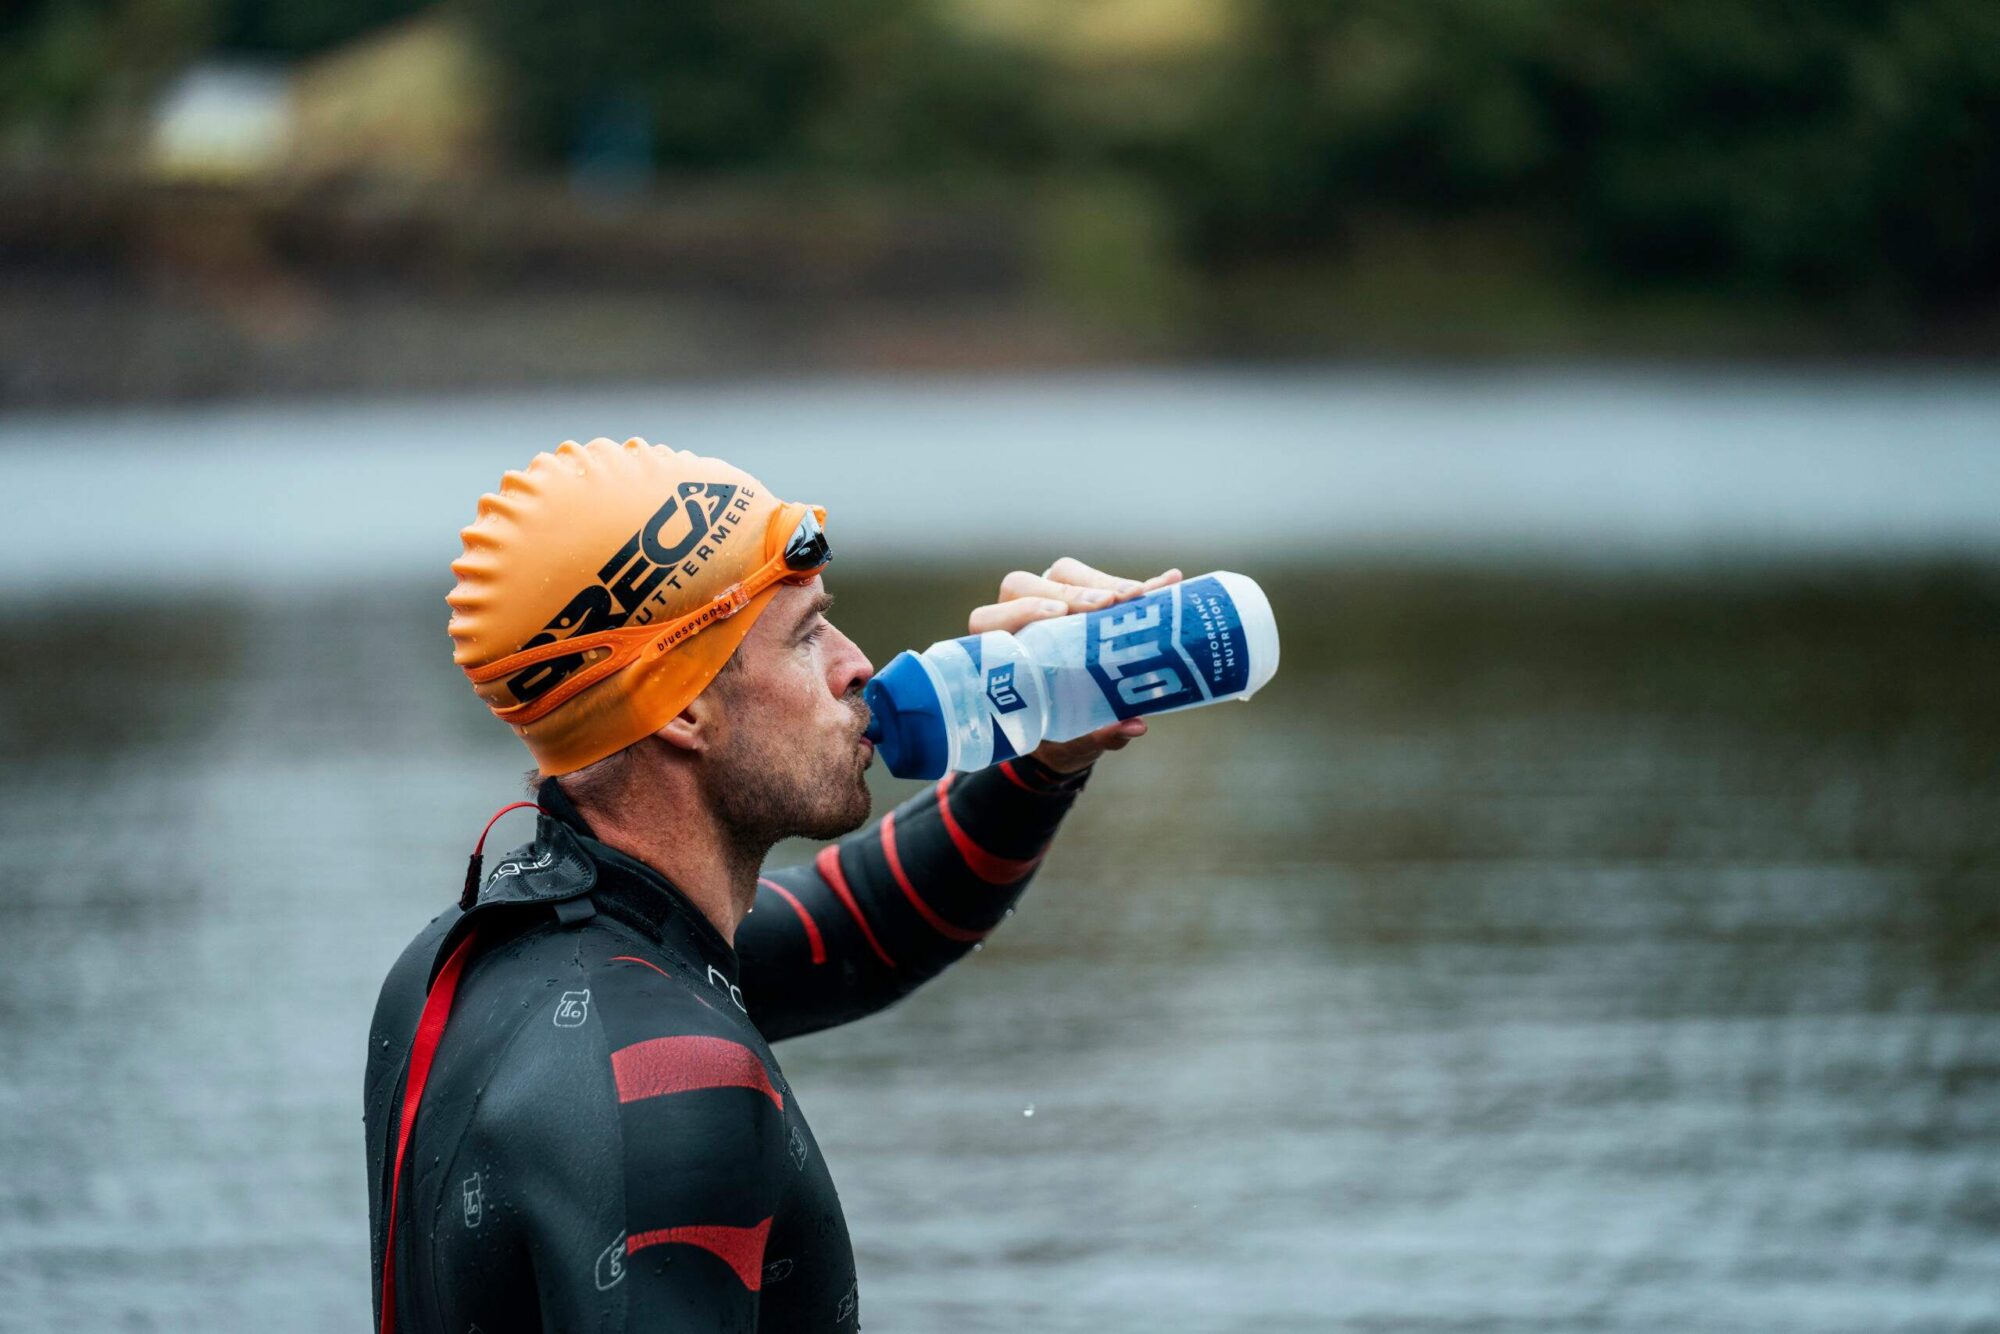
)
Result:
{"points": [[764, 790]]}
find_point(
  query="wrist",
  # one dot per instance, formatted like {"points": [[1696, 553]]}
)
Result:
{"points": [[1035, 772]]}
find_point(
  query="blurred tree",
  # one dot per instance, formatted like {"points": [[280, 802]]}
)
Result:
{"points": [[303, 27], [51, 63], [67, 63], [914, 96], [876, 87], [1824, 148], [1816, 148], [726, 83], [1840, 149]]}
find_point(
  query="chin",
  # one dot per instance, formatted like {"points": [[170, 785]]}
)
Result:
{"points": [[840, 809], [854, 813], [768, 794]]}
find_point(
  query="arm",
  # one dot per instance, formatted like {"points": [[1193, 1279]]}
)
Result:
{"points": [[885, 910], [882, 912]]}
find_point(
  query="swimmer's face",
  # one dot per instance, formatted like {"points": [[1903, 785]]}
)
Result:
{"points": [[787, 756]]}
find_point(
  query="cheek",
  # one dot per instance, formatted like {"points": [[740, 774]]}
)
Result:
{"points": [[806, 701]]}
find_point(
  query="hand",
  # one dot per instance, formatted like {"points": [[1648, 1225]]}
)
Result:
{"points": [[1066, 587]]}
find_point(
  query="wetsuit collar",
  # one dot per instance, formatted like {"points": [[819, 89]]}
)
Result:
{"points": [[556, 805], [636, 893]]}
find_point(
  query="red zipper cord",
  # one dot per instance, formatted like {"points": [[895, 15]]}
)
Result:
{"points": [[430, 1028], [470, 893], [423, 1050]]}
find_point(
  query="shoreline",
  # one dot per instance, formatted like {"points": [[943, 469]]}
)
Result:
{"points": [[122, 291]]}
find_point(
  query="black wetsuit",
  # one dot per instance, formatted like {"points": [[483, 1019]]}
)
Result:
{"points": [[605, 1141]]}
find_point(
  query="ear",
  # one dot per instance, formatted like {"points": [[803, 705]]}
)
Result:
{"points": [[694, 728]]}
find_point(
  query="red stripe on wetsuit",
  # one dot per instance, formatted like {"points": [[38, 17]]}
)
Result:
{"points": [[661, 1066], [813, 936], [992, 869], [741, 1248], [828, 866], [924, 910]]}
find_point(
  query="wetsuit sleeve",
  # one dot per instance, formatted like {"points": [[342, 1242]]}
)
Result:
{"points": [[639, 1151], [890, 907]]}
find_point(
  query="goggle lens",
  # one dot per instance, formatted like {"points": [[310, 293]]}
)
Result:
{"points": [[808, 548]]}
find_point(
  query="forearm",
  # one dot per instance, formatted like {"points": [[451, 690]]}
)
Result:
{"points": [[891, 906]]}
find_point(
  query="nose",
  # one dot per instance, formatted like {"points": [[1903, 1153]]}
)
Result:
{"points": [[850, 668]]}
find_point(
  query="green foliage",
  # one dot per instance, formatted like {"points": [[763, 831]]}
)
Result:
{"points": [[914, 98], [1840, 149], [722, 83], [303, 27], [62, 61], [51, 63], [1813, 148], [874, 87]]}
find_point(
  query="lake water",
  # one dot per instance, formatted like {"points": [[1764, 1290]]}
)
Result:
{"points": [[1622, 466], [1550, 947]]}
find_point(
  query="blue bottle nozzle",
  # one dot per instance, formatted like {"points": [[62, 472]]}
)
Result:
{"points": [[906, 719]]}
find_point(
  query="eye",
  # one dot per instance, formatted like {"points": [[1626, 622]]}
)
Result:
{"points": [[812, 635]]}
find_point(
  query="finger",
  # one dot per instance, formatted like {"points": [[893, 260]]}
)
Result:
{"points": [[1153, 585], [1080, 597], [1116, 736], [1015, 613], [1070, 570]]}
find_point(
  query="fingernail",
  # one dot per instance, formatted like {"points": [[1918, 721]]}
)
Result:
{"points": [[1054, 608], [1094, 595]]}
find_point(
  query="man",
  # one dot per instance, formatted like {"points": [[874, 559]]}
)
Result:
{"points": [[574, 1117]]}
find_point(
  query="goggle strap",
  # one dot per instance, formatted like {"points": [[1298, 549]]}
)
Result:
{"points": [[533, 710], [727, 603]]}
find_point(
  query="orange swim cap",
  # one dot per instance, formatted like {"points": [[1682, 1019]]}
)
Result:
{"points": [[605, 585]]}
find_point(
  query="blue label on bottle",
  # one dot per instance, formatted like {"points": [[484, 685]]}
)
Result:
{"points": [[1000, 689], [1212, 638], [1165, 652]]}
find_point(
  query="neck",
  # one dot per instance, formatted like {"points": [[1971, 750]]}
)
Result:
{"points": [[667, 828]]}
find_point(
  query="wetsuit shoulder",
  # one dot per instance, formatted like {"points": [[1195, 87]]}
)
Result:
{"points": [[627, 1149]]}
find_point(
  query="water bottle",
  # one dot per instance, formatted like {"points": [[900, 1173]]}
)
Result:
{"points": [[967, 703]]}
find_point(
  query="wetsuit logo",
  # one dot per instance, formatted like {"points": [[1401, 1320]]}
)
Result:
{"points": [[541, 863], [611, 1264], [682, 536], [717, 980], [475, 1200], [798, 1147], [573, 1009]]}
